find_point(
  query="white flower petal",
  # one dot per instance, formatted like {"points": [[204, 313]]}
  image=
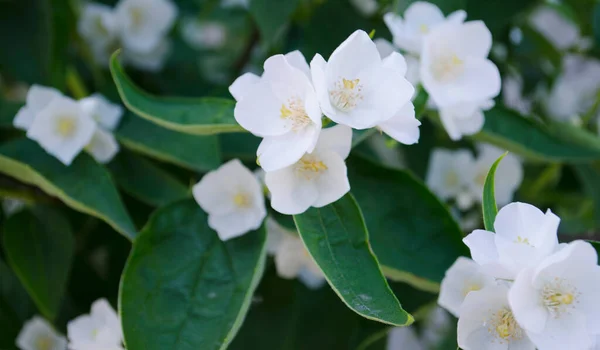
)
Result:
{"points": [[290, 195], [103, 146], [260, 112], [277, 152], [333, 183], [403, 127], [236, 223], [297, 60], [362, 51], [337, 139], [563, 333], [396, 62], [384, 47], [242, 85], [526, 303], [105, 113], [39, 330], [151, 61]]}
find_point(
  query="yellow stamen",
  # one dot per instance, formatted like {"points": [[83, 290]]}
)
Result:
{"points": [[309, 167], [295, 113], [522, 240], [242, 200], [137, 16], [346, 94], [43, 343], [65, 126], [504, 325], [424, 28]]}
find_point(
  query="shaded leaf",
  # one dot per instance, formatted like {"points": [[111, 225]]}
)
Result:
{"points": [[271, 16], [15, 307]]}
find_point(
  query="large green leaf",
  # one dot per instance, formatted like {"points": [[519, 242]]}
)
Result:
{"points": [[337, 239], [39, 247], [271, 16], [84, 185], [201, 153], [489, 207], [239, 145], [415, 238], [15, 307], [497, 15], [145, 181], [552, 141], [183, 288], [200, 116]]}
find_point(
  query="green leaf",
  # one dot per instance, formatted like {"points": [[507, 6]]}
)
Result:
{"points": [[145, 181], [199, 116], [489, 206], [85, 185], [596, 23], [337, 239], [497, 15], [552, 141], [39, 247], [413, 235], [271, 16], [8, 111], [183, 288], [200, 153], [240, 145], [588, 175], [15, 307]]}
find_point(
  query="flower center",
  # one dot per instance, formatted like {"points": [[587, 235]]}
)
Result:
{"points": [[346, 94], [559, 297], [521, 240], [423, 28], [137, 16], [447, 67], [242, 200], [504, 326], [65, 126], [471, 288], [43, 342], [309, 167], [452, 179], [295, 113]]}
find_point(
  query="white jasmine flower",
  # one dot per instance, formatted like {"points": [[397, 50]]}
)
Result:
{"points": [[419, 19], [464, 118], [365, 7], [435, 328], [448, 172], [281, 107], [105, 113], [487, 323], [143, 24], [38, 334], [403, 126], [356, 87], [38, 97], [524, 237], [203, 34], [100, 330], [556, 302], [454, 64], [63, 129], [401, 338], [103, 146], [233, 199], [317, 179], [98, 25], [562, 32], [151, 61], [512, 94], [463, 277]]}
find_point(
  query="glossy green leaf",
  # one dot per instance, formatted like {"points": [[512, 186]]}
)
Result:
{"points": [[337, 239], [199, 116], [39, 247], [183, 288], [200, 153], [413, 235], [552, 141], [145, 181], [85, 185], [489, 207], [239, 145], [15, 307], [271, 16]]}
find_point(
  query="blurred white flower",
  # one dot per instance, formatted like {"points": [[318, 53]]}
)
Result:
{"points": [[365, 7], [524, 237], [420, 18], [63, 128], [103, 146], [38, 97], [38, 334], [401, 338], [98, 26], [556, 302], [11, 206], [292, 260], [464, 118], [356, 87], [233, 199], [100, 330], [317, 179], [463, 277], [487, 323], [203, 34], [512, 94], [151, 61], [454, 64], [143, 24], [560, 31], [235, 3], [282, 108], [436, 325], [385, 48], [448, 172]]}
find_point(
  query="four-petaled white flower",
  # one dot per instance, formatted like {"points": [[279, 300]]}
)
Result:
{"points": [[233, 199], [463, 277], [100, 330], [419, 19], [356, 87], [447, 173], [524, 237], [63, 128], [556, 301], [38, 97], [38, 334], [292, 260], [282, 107], [317, 179], [144, 23], [487, 322], [103, 146], [454, 64], [98, 26]]}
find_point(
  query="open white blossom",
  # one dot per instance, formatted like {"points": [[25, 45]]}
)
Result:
{"points": [[447, 173], [454, 65], [143, 24], [151, 61], [233, 199], [356, 87], [365, 7], [63, 128], [317, 179], [464, 118], [38, 97], [203, 34], [103, 146], [556, 302], [487, 323], [561, 31], [419, 19], [281, 107], [512, 94], [524, 237], [38, 334], [463, 277], [100, 330], [98, 26]]}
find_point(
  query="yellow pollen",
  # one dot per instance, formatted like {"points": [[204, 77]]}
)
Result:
{"points": [[137, 16], [309, 167], [504, 325], [242, 200], [424, 28], [350, 84], [65, 126], [447, 67], [565, 299], [471, 288], [522, 240], [43, 343], [346, 94], [452, 179], [559, 296], [294, 112]]}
